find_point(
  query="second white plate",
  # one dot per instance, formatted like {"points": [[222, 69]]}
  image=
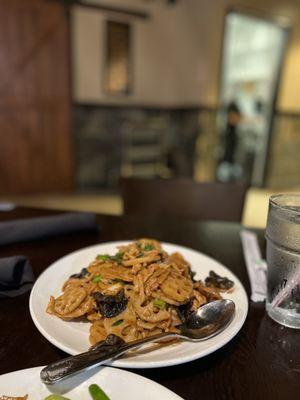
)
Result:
{"points": [[72, 337], [116, 383]]}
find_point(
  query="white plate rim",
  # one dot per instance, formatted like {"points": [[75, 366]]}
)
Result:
{"points": [[165, 391], [123, 363]]}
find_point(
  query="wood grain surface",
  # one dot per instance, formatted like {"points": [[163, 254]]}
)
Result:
{"points": [[35, 97]]}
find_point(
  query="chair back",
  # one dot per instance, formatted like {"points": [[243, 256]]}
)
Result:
{"points": [[183, 198]]}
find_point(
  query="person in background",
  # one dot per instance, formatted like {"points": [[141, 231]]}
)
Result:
{"points": [[227, 170], [234, 117]]}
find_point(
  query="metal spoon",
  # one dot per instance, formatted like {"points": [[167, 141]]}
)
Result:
{"points": [[202, 324]]}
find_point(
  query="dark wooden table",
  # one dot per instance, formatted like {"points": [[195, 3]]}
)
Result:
{"points": [[261, 362]]}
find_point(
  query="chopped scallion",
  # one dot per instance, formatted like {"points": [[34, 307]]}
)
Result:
{"points": [[160, 304], [117, 280], [117, 257], [97, 278], [103, 257], [119, 322], [148, 247]]}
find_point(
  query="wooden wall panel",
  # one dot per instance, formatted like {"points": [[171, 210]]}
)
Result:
{"points": [[35, 98]]}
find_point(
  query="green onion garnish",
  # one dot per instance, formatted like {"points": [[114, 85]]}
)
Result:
{"points": [[119, 322], [117, 257], [97, 393], [97, 278], [160, 304], [106, 257], [103, 257], [148, 247], [117, 280]]}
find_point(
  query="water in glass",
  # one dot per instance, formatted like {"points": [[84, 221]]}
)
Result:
{"points": [[283, 259]]}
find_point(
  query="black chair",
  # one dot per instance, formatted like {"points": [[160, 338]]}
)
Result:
{"points": [[183, 198]]}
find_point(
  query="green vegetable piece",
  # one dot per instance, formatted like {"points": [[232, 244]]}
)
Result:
{"points": [[117, 280], [117, 257], [160, 304], [97, 393], [148, 247], [119, 322], [97, 278], [103, 257], [55, 397]]}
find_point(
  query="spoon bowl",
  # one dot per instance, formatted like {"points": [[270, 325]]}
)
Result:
{"points": [[202, 324], [208, 320]]}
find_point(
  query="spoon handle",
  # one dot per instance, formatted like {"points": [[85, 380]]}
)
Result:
{"points": [[104, 351]]}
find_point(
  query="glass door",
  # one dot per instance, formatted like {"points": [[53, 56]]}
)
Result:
{"points": [[253, 52]]}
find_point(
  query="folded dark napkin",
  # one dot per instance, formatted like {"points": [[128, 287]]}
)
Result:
{"points": [[21, 230], [16, 276]]}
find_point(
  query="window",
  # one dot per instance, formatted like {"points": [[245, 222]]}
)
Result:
{"points": [[117, 58]]}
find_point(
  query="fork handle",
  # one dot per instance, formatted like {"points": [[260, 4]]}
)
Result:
{"points": [[111, 348]]}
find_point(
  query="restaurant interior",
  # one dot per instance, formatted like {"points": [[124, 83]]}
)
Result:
{"points": [[149, 195], [96, 91]]}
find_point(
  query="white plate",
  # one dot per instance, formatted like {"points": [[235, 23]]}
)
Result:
{"points": [[117, 384], [72, 337]]}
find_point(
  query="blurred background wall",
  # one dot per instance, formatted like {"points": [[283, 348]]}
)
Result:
{"points": [[177, 53], [62, 131], [177, 57]]}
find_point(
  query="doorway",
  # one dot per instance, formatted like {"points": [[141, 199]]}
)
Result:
{"points": [[35, 98], [253, 53]]}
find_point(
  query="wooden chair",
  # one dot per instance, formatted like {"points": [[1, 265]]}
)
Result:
{"points": [[183, 198]]}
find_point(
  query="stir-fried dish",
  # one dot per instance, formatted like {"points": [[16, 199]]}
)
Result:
{"points": [[138, 292]]}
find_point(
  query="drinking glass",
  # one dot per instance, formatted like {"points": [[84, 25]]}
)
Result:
{"points": [[283, 259]]}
